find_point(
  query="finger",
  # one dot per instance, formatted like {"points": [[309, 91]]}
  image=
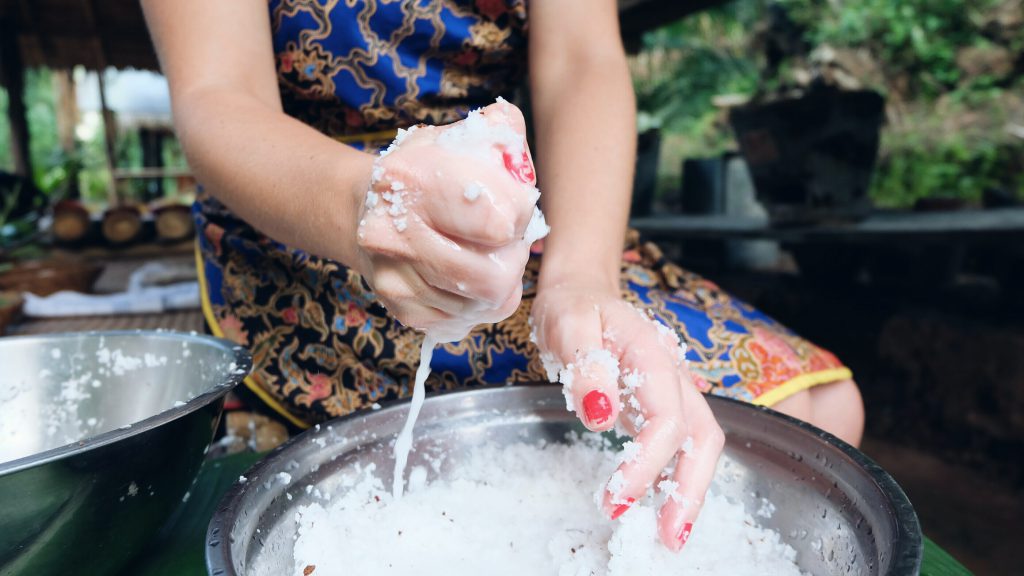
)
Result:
{"points": [[491, 315], [470, 204], [489, 276], [402, 282], [415, 315], [516, 157], [653, 393], [477, 208], [593, 379], [507, 309], [505, 113], [627, 425], [692, 476], [468, 176], [478, 205], [589, 373], [657, 443], [377, 235], [486, 279]]}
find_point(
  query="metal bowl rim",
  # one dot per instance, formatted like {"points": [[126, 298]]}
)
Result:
{"points": [[905, 561], [242, 359]]}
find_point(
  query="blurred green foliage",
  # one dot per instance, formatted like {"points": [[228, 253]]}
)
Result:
{"points": [[685, 64], [918, 38], [948, 136], [41, 105], [53, 168], [40, 116], [951, 168]]}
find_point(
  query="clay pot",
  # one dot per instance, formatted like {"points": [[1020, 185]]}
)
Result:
{"points": [[71, 222], [122, 224], [173, 222]]}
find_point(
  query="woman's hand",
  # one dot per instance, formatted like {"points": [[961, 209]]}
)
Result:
{"points": [[448, 220], [618, 364]]}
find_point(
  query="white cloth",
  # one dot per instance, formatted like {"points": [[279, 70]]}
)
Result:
{"points": [[138, 299]]}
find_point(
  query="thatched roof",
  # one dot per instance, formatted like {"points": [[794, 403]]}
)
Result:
{"points": [[61, 34]]}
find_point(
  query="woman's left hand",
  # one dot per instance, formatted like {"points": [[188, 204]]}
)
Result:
{"points": [[618, 364]]}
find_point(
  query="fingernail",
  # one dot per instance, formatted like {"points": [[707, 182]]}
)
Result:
{"points": [[621, 508], [597, 407], [521, 169], [684, 534]]}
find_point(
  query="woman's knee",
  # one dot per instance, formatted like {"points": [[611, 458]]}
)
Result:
{"points": [[836, 408], [797, 405], [839, 409]]}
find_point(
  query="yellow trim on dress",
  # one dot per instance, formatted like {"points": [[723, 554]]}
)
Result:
{"points": [[368, 137], [800, 383], [211, 320]]}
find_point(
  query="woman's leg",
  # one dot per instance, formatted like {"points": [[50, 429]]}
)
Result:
{"points": [[836, 408]]}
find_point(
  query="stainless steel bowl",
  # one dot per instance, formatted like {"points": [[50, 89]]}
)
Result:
{"points": [[839, 510], [101, 436]]}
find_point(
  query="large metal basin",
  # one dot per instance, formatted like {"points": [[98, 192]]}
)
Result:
{"points": [[89, 473], [839, 510]]}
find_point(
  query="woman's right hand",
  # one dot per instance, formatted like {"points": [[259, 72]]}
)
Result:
{"points": [[446, 226]]}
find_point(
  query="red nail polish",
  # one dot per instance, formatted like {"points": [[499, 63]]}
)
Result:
{"points": [[621, 508], [597, 407], [684, 534], [521, 168]]}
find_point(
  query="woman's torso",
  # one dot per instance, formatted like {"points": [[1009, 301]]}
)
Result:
{"points": [[365, 66]]}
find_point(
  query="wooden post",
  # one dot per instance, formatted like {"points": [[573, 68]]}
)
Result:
{"points": [[110, 138], [67, 119], [67, 109], [12, 77]]}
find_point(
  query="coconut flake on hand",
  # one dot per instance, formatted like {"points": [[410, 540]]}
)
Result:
{"points": [[537, 228], [595, 363]]}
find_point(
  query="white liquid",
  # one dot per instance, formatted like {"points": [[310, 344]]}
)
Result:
{"points": [[404, 441]]}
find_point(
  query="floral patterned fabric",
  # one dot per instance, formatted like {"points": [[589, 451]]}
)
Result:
{"points": [[364, 66], [322, 345]]}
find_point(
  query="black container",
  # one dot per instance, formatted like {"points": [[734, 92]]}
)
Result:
{"points": [[811, 158], [704, 186], [645, 179]]}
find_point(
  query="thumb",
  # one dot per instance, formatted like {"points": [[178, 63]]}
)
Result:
{"points": [[594, 381], [589, 375]]}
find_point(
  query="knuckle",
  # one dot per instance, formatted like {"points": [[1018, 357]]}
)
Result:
{"points": [[386, 295], [515, 116], [497, 226], [511, 305], [392, 167], [494, 289], [715, 437], [508, 279], [392, 290]]}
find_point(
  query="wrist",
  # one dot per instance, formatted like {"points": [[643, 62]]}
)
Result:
{"points": [[578, 270], [583, 252], [346, 206]]}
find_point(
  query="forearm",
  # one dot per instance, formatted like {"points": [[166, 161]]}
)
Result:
{"points": [[586, 141], [290, 182]]}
